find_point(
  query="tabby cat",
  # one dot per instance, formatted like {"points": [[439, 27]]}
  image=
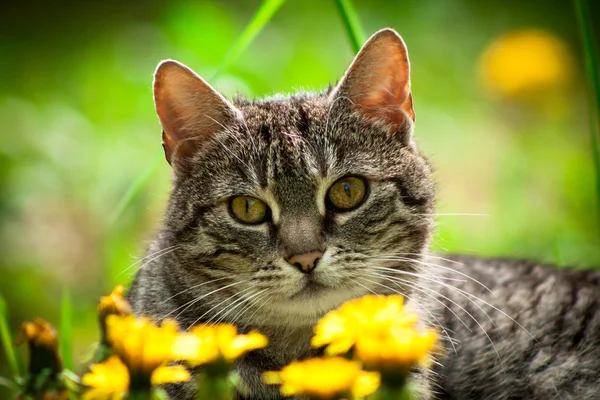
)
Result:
{"points": [[285, 207]]}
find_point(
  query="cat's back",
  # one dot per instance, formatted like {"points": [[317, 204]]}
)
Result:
{"points": [[520, 330]]}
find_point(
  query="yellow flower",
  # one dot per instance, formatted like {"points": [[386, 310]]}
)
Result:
{"points": [[208, 343], [113, 304], [110, 380], [107, 380], [398, 348], [170, 374], [324, 378], [339, 329], [142, 345], [39, 332], [42, 339], [525, 61], [382, 332]]}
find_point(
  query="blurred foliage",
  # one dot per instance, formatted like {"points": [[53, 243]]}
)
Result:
{"points": [[514, 167]]}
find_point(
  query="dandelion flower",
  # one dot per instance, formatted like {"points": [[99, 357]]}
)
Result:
{"points": [[42, 339], [107, 380], [324, 378], [142, 345], [110, 380], [397, 348], [113, 304], [209, 343], [383, 334], [525, 61], [339, 329]]}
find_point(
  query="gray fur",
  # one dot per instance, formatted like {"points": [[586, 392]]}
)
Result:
{"points": [[287, 150]]}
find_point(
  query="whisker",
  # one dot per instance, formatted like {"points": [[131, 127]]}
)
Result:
{"points": [[194, 301], [217, 305], [454, 215], [470, 297], [267, 299], [439, 294], [370, 290], [260, 295], [192, 288], [429, 256], [227, 307], [433, 265], [153, 256], [247, 300]]}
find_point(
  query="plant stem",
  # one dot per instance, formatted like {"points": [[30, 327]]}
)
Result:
{"points": [[352, 23], [14, 362], [591, 65], [66, 334]]}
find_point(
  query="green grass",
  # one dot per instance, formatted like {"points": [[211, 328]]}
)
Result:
{"points": [[14, 362], [591, 66], [261, 17], [351, 23], [66, 329]]}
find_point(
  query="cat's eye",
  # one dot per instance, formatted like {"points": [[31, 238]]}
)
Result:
{"points": [[347, 193], [249, 210]]}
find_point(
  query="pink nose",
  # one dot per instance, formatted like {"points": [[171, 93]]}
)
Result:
{"points": [[305, 262]]}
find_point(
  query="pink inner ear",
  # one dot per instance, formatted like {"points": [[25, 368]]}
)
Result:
{"points": [[389, 101]]}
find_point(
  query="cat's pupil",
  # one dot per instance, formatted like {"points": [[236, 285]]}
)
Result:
{"points": [[347, 189], [247, 205]]}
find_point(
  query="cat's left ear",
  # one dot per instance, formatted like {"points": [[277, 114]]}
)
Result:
{"points": [[378, 81]]}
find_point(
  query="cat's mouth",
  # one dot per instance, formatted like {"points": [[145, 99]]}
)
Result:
{"points": [[310, 289]]}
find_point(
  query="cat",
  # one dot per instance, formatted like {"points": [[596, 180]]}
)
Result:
{"points": [[284, 208]]}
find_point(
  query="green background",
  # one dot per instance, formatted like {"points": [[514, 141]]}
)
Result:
{"points": [[515, 175]]}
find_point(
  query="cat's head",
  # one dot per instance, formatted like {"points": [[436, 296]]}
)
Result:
{"points": [[296, 203]]}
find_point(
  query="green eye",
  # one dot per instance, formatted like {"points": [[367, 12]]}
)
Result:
{"points": [[248, 210], [347, 193]]}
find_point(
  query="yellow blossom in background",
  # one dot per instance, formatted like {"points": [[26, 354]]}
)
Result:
{"points": [[114, 303], [110, 380], [324, 378], [142, 345], [39, 332], [339, 329], [208, 343], [525, 61]]}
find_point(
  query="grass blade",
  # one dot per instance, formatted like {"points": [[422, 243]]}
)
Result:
{"points": [[591, 66], [136, 187], [66, 331], [14, 362], [265, 12], [261, 17], [352, 23]]}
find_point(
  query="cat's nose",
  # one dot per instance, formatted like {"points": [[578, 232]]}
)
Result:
{"points": [[305, 262]]}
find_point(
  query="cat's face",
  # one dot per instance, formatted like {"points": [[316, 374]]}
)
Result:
{"points": [[301, 202]]}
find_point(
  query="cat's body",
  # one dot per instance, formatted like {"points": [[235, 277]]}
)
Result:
{"points": [[297, 251], [542, 330]]}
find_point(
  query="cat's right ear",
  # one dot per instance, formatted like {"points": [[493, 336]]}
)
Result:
{"points": [[189, 109]]}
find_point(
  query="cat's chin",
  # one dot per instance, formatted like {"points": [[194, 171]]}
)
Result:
{"points": [[313, 301]]}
